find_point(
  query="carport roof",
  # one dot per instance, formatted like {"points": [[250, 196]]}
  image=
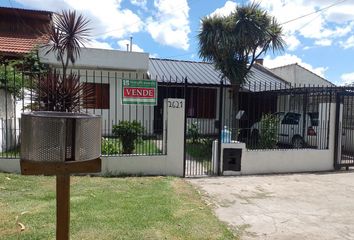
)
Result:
{"points": [[203, 73]]}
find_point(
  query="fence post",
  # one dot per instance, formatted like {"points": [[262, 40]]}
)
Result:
{"points": [[221, 98]]}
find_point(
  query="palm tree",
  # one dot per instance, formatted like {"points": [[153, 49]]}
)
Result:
{"points": [[63, 92], [233, 43], [67, 34]]}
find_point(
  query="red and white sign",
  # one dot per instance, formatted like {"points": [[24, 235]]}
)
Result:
{"points": [[139, 92]]}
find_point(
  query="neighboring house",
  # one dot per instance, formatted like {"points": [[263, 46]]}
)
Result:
{"points": [[300, 76], [21, 30]]}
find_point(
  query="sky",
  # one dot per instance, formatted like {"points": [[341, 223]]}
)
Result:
{"points": [[319, 33]]}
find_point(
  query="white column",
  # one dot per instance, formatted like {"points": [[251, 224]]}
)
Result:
{"points": [[174, 135]]}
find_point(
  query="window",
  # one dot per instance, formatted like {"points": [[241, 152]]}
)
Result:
{"points": [[100, 92], [201, 102], [291, 118]]}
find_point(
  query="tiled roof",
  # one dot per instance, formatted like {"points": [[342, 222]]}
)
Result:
{"points": [[20, 44], [28, 12], [202, 73]]}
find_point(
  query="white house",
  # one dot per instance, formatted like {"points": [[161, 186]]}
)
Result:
{"points": [[107, 68], [297, 74]]}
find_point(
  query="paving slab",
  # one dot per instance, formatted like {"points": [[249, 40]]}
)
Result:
{"points": [[294, 206]]}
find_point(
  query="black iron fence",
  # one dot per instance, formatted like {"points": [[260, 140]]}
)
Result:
{"points": [[279, 116], [127, 129], [264, 115]]}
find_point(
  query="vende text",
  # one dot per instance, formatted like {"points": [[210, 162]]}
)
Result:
{"points": [[139, 93]]}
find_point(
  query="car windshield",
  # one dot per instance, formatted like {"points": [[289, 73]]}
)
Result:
{"points": [[313, 118], [279, 115]]}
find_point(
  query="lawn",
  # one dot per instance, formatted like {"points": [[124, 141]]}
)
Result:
{"points": [[11, 153], [107, 208], [111, 146]]}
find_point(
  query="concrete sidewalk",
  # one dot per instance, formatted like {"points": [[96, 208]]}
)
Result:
{"points": [[296, 206]]}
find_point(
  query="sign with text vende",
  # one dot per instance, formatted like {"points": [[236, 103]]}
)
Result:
{"points": [[139, 92]]}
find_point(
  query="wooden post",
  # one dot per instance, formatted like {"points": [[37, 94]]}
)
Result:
{"points": [[63, 208], [62, 170]]}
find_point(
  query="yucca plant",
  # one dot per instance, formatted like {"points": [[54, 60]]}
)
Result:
{"points": [[58, 90], [64, 94]]}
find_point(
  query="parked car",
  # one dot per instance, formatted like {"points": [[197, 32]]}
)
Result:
{"points": [[290, 129]]}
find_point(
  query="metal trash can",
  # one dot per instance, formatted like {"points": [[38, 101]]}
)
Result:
{"points": [[60, 136]]}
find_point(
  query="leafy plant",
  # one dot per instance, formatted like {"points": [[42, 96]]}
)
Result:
{"points": [[109, 147], [129, 133], [193, 132], [268, 131], [16, 75], [200, 151], [59, 91], [10, 80]]}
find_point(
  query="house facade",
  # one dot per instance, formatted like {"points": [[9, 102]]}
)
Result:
{"points": [[103, 71], [296, 74], [198, 82]]}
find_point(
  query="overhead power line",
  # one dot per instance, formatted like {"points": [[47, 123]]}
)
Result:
{"points": [[291, 20], [317, 11]]}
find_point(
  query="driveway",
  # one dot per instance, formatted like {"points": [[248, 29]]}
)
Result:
{"points": [[294, 206]]}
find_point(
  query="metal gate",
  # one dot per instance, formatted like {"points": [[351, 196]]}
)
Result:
{"points": [[201, 123], [344, 134], [201, 130]]}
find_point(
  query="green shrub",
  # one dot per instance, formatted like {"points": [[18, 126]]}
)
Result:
{"points": [[109, 147], [193, 132], [129, 133], [268, 131]]}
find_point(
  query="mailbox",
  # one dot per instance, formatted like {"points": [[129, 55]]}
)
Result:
{"points": [[232, 159]]}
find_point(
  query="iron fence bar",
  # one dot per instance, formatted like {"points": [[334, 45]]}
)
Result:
{"points": [[336, 140], [185, 125], [218, 160]]}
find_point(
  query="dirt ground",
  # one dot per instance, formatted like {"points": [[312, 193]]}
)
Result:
{"points": [[294, 206]]}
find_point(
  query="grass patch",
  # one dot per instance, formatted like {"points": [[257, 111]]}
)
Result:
{"points": [[108, 208], [11, 153], [112, 146], [200, 151]]}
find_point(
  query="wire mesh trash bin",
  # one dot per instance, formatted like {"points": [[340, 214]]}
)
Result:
{"points": [[60, 136]]}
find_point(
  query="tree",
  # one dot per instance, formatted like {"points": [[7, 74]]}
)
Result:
{"points": [[233, 43], [61, 91], [15, 74]]}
